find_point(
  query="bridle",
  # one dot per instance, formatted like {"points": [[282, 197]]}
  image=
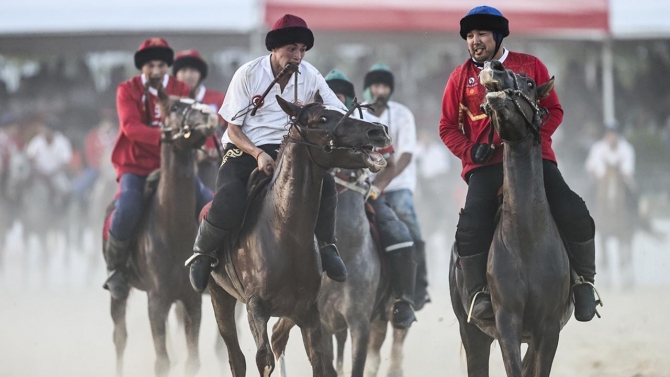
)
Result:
{"points": [[540, 115], [185, 129], [329, 146]]}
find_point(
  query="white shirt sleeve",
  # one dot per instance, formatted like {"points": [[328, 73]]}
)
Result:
{"points": [[627, 158], [64, 150], [406, 134], [591, 163], [33, 147], [238, 98]]}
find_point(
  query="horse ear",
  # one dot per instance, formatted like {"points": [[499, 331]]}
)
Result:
{"points": [[318, 98], [288, 107], [545, 89]]}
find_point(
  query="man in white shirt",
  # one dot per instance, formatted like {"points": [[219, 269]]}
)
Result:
{"points": [[378, 88], [50, 152], [256, 127], [613, 150]]}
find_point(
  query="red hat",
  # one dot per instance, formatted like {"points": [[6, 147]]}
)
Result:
{"points": [[289, 29], [192, 59], [153, 49]]}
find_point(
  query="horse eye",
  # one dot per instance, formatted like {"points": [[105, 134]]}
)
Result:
{"points": [[323, 120], [530, 84]]}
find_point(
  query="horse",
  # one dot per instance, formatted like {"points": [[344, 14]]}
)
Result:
{"points": [[275, 260], [528, 269], [165, 235]]}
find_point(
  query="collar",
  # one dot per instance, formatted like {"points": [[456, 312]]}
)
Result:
{"points": [[502, 59], [153, 91], [201, 93]]}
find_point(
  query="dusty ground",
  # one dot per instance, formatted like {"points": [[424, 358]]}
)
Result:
{"points": [[56, 323]]}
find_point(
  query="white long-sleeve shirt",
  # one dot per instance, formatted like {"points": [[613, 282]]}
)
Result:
{"points": [[602, 155]]}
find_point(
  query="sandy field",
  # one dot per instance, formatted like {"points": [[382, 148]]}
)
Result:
{"points": [[55, 322]]}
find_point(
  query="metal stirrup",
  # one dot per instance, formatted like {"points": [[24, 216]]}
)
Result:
{"points": [[484, 290], [196, 255]]}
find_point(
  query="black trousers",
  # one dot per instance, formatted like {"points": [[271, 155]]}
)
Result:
{"points": [[476, 224], [231, 189]]}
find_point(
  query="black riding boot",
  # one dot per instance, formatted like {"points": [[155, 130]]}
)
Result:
{"points": [[583, 260], [117, 257], [204, 258], [403, 280], [421, 296], [474, 274], [325, 234]]}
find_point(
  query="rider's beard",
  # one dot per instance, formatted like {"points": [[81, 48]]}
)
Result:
{"points": [[381, 101], [154, 81]]}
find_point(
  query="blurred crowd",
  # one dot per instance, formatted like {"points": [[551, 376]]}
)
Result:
{"points": [[61, 114]]}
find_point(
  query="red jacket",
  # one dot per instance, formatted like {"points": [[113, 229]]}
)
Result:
{"points": [[463, 123], [214, 99], [137, 148]]}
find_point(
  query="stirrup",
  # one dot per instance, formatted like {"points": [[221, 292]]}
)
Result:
{"points": [[196, 255], [580, 281], [484, 290]]}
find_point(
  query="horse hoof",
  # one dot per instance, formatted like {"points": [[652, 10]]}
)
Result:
{"points": [[199, 272]]}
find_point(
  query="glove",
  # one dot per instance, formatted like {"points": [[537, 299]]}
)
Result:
{"points": [[481, 153]]}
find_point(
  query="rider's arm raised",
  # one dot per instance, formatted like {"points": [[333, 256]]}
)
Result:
{"points": [[130, 119], [450, 133]]}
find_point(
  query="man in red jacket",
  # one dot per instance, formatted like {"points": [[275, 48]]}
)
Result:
{"points": [[190, 68], [137, 150], [464, 128]]}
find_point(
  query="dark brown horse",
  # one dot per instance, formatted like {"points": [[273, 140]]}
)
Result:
{"points": [[351, 306], [528, 269], [276, 259], [165, 234]]}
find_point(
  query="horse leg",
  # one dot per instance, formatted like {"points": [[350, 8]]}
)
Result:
{"points": [[377, 336], [341, 338], [192, 316], [626, 263], [280, 335], [360, 337], [224, 311], [328, 355], [546, 344], [159, 307], [477, 347], [529, 361], [312, 338], [604, 261], [509, 330], [395, 369], [118, 310], [259, 315]]}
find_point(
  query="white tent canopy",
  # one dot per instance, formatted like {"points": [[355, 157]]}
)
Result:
{"points": [[83, 16]]}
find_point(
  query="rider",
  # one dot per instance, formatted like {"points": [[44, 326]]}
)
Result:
{"points": [[378, 88], [613, 150], [137, 151], [190, 68], [253, 140], [464, 128], [395, 236]]}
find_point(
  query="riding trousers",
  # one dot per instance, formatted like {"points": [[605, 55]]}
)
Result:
{"points": [[393, 232], [130, 204], [476, 224], [229, 202]]}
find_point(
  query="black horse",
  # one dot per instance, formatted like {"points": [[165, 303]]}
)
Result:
{"points": [[165, 235], [277, 262], [528, 269]]}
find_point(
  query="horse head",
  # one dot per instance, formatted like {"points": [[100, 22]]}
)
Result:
{"points": [[512, 102], [334, 138], [188, 123]]}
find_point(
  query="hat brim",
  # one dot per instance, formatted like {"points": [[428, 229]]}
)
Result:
{"points": [[190, 61], [496, 24], [289, 35], [142, 57], [342, 87]]}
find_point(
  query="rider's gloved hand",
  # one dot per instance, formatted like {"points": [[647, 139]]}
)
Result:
{"points": [[481, 153], [265, 163]]}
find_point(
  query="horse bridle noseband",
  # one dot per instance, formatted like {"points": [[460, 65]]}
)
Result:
{"points": [[184, 129], [540, 115]]}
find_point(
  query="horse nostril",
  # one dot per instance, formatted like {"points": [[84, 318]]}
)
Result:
{"points": [[376, 133]]}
